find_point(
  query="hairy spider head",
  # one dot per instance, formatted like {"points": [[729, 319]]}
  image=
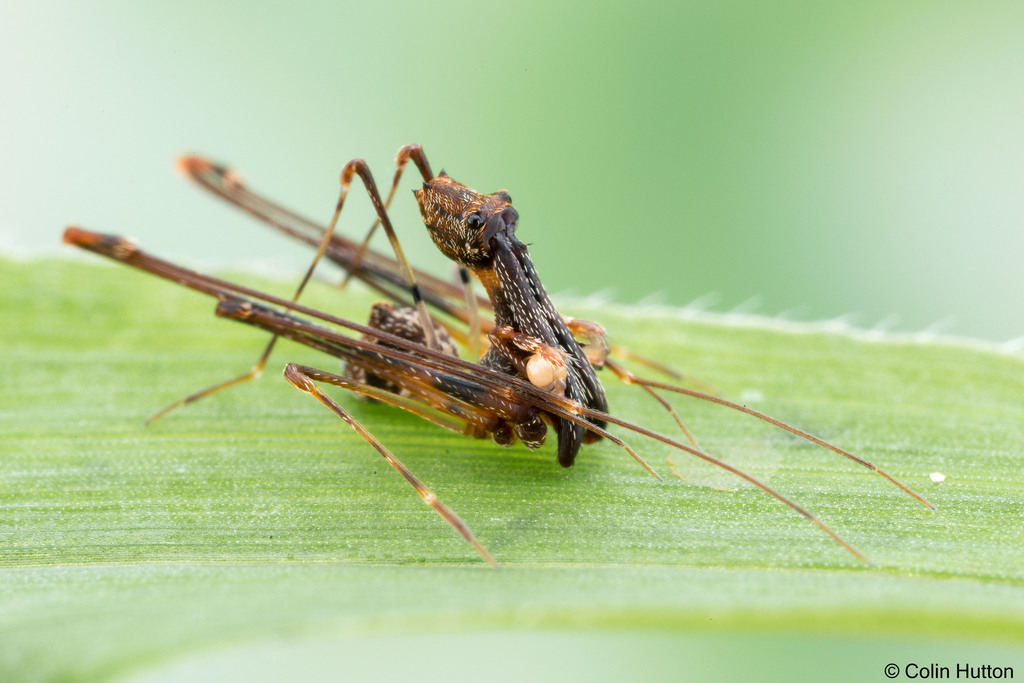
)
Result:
{"points": [[462, 221]]}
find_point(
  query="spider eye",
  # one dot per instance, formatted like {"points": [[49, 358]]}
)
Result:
{"points": [[474, 221]]}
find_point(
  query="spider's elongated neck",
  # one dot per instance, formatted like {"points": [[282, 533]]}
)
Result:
{"points": [[478, 231]]}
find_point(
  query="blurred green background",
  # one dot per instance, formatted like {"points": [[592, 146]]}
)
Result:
{"points": [[800, 158]]}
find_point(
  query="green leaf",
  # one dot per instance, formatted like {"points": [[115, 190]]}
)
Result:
{"points": [[256, 533]]}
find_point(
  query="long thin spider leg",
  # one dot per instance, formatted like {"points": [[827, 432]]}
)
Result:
{"points": [[124, 250], [587, 412], [253, 373], [415, 154], [467, 422], [673, 467], [380, 272], [303, 383], [630, 378], [627, 354], [406, 154], [356, 166], [622, 373], [257, 369], [591, 338], [359, 167]]}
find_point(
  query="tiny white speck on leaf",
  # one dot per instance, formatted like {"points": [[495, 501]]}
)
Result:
{"points": [[751, 396]]}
